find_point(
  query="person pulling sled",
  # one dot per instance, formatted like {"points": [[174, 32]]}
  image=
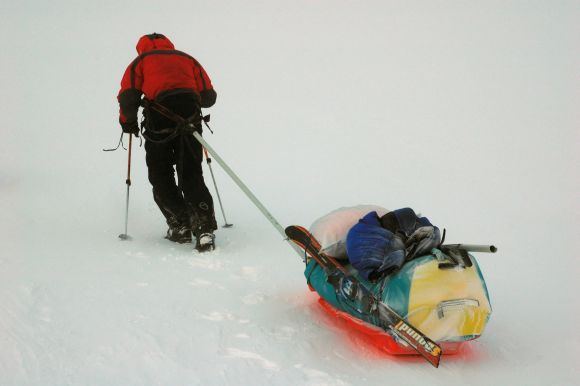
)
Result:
{"points": [[177, 84]]}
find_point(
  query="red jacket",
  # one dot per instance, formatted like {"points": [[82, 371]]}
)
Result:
{"points": [[158, 69]]}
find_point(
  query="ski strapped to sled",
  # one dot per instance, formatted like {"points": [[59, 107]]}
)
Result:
{"points": [[389, 320]]}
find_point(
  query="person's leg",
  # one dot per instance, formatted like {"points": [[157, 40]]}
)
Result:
{"points": [[196, 193], [188, 159], [160, 159]]}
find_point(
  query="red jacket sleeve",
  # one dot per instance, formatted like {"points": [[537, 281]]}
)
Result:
{"points": [[129, 96], [203, 84]]}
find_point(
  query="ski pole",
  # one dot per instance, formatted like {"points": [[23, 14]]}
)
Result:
{"points": [[208, 160], [125, 236], [248, 193]]}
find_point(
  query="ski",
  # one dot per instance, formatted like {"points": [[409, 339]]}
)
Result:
{"points": [[389, 320]]}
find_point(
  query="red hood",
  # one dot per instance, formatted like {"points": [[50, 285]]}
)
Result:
{"points": [[153, 42]]}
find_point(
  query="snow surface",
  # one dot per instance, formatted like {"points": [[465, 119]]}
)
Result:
{"points": [[468, 112]]}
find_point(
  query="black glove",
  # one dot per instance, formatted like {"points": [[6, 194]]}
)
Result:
{"points": [[422, 241], [130, 128]]}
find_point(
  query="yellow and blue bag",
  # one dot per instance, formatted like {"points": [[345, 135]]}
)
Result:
{"points": [[448, 302]]}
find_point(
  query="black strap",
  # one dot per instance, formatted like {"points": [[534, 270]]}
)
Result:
{"points": [[183, 125], [120, 144]]}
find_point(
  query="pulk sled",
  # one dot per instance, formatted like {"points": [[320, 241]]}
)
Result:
{"points": [[307, 246]]}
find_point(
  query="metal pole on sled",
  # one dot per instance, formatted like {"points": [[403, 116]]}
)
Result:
{"points": [[247, 192], [473, 247]]}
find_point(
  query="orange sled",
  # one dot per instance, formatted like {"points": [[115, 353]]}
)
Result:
{"points": [[381, 339]]}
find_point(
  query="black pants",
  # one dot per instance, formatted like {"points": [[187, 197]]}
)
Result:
{"points": [[189, 198]]}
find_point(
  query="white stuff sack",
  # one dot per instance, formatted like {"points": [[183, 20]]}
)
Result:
{"points": [[331, 229]]}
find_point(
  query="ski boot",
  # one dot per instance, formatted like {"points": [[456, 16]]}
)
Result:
{"points": [[203, 224], [178, 232], [205, 242]]}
